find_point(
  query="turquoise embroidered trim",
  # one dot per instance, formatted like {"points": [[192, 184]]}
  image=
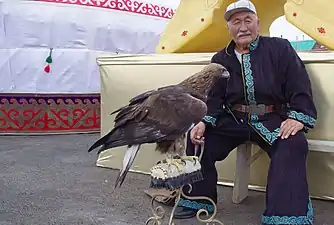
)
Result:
{"points": [[253, 45], [210, 119], [195, 205], [308, 120], [291, 220], [267, 134], [249, 78]]}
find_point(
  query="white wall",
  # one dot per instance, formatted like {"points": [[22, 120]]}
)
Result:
{"points": [[281, 27]]}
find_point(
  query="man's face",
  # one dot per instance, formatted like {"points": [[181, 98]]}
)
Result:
{"points": [[243, 27]]}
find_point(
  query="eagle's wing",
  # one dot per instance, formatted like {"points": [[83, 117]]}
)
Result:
{"points": [[146, 94], [163, 115], [141, 97]]}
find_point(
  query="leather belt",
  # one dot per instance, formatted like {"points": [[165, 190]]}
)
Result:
{"points": [[259, 109]]}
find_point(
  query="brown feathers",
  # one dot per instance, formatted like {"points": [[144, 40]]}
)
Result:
{"points": [[200, 83], [165, 114], [161, 116]]}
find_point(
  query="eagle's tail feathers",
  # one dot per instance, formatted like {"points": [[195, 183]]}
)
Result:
{"points": [[113, 139], [113, 144], [128, 160], [102, 141], [118, 110]]}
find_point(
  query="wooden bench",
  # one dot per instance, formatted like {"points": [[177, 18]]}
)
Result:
{"points": [[245, 159]]}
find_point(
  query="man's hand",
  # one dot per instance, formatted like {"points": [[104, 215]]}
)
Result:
{"points": [[290, 127], [196, 134]]}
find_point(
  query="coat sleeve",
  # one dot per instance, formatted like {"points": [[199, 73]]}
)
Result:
{"points": [[215, 97], [297, 87]]}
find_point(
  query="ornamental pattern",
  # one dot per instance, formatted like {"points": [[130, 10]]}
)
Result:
{"points": [[131, 6]]}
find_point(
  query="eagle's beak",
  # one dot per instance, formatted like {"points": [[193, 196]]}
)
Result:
{"points": [[226, 74]]}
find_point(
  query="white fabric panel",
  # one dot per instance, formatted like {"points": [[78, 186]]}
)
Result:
{"points": [[2, 27], [6, 84], [78, 35], [72, 71], [43, 24]]}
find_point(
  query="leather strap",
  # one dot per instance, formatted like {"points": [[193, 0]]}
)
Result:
{"points": [[259, 109]]}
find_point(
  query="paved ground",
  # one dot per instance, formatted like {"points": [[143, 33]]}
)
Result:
{"points": [[53, 180]]}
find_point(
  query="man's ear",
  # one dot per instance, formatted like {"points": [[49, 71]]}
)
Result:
{"points": [[228, 27]]}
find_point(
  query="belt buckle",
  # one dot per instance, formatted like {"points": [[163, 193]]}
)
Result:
{"points": [[257, 109]]}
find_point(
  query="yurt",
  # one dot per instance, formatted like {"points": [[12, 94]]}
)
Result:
{"points": [[50, 81]]}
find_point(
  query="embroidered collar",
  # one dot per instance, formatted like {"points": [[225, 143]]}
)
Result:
{"points": [[251, 46]]}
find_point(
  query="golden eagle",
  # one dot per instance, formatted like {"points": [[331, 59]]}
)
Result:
{"points": [[162, 116]]}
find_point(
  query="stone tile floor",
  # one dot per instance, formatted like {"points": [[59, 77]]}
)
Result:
{"points": [[53, 180]]}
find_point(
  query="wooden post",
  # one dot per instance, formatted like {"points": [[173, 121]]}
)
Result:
{"points": [[242, 173]]}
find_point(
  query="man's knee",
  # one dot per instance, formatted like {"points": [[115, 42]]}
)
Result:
{"points": [[299, 139], [294, 146]]}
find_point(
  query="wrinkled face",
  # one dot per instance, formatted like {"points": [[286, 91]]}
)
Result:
{"points": [[243, 27]]}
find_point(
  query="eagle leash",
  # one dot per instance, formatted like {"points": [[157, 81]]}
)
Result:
{"points": [[202, 216]]}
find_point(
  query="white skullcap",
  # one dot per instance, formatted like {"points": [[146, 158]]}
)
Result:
{"points": [[239, 6]]}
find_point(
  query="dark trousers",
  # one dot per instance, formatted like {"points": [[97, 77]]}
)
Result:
{"points": [[287, 196]]}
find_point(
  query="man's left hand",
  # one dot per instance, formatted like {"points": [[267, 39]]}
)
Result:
{"points": [[290, 127]]}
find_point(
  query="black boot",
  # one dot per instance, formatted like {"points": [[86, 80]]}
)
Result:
{"points": [[184, 213]]}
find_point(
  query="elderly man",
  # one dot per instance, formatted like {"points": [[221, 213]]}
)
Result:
{"points": [[267, 100]]}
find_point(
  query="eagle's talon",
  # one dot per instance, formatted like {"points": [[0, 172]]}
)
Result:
{"points": [[194, 161], [168, 161]]}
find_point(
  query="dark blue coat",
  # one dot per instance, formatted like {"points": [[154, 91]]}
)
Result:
{"points": [[271, 74]]}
